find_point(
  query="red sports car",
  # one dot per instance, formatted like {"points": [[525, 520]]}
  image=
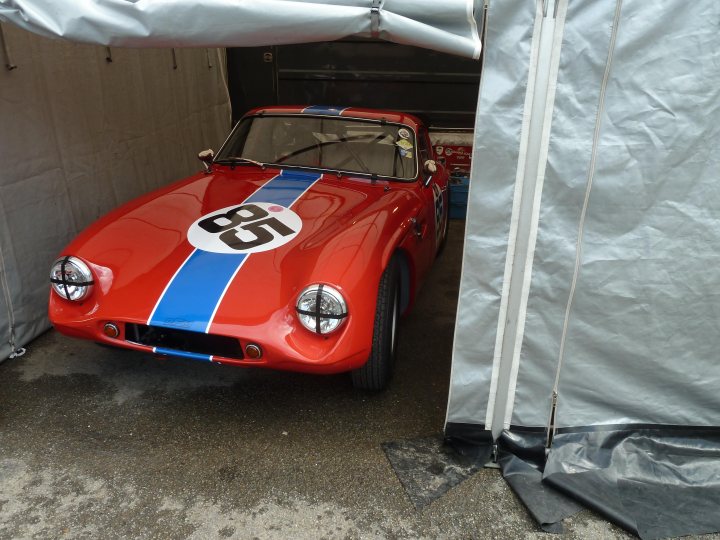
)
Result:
{"points": [[298, 248]]}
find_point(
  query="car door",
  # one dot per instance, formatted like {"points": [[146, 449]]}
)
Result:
{"points": [[432, 190]]}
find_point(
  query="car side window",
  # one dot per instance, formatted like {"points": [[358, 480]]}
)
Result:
{"points": [[424, 153], [423, 148]]}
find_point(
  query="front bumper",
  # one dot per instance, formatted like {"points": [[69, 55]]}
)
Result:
{"points": [[283, 351]]}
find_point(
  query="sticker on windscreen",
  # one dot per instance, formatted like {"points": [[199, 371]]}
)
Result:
{"points": [[245, 228], [404, 144]]}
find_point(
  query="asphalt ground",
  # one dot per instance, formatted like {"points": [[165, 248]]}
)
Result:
{"points": [[102, 443]]}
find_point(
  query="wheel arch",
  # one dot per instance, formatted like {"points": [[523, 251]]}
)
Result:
{"points": [[406, 273]]}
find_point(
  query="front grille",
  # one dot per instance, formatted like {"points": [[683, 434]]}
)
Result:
{"points": [[182, 340]]}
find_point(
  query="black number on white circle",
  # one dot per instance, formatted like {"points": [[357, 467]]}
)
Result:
{"points": [[262, 235], [247, 218], [236, 216]]}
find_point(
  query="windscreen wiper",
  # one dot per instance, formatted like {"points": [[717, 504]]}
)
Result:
{"points": [[234, 160], [341, 140]]}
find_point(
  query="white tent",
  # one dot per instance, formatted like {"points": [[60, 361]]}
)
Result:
{"points": [[447, 26], [589, 322]]}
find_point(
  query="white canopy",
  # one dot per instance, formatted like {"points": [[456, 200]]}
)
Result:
{"points": [[447, 26]]}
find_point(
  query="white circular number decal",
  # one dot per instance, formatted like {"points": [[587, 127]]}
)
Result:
{"points": [[245, 228]]}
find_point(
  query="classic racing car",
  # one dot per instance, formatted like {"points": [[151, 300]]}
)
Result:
{"points": [[297, 248]]}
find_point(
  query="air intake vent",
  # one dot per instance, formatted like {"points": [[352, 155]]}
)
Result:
{"points": [[182, 340]]}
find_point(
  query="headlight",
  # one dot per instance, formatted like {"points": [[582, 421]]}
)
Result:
{"points": [[321, 309], [71, 278]]}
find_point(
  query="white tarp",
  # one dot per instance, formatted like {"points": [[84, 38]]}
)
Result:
{"points": [[446, 25], [592, 256], [81, 135]]}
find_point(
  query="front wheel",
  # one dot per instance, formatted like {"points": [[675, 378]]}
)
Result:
{"points": [[446, 227], [378, 370]]}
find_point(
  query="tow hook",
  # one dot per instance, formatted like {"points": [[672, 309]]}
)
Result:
{"points": [[417, 227]]}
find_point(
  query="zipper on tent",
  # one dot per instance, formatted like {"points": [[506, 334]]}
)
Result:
{"points": [[581, 225]]}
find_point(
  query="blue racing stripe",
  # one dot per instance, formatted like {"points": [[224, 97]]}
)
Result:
{"points": [[183, 354], [285, 188], [323, 109], [189, 301], [191, 298]]}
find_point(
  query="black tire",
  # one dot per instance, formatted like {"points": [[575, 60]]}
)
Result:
{"points": [[446, 227], [378, 370]]}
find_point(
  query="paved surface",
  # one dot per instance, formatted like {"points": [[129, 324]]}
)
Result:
{"points": [[98, 443]]}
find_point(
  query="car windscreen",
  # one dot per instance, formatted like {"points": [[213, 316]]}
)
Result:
{"points": [[338, 144]]}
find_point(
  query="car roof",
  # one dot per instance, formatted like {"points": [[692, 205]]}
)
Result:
{"points": [[345, 112]]}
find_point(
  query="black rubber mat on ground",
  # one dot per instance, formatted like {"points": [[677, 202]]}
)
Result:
{"points": [[427, 468]]}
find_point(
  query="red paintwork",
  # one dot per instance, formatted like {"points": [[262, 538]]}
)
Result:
{"points": [[351, 228]]}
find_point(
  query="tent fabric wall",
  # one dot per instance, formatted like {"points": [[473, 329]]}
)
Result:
{"points": [[573, 124], [499, 121], [81, 135], [588, 313], [629, 193], [644, 324], [645, 306], [447, 26]]}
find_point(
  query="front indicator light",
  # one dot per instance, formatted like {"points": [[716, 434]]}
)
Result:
{"points": [[111, 330], [252, 351], [71, 278], [321, 309]]}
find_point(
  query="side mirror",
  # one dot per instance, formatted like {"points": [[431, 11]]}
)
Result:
{"points": [[207, 156], [430, 168]]}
